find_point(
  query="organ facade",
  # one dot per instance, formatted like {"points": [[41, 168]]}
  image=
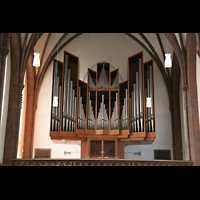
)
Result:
{"points": [[103, 113]]}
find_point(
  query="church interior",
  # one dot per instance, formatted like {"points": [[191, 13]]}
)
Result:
{"points": [[101, 99]]}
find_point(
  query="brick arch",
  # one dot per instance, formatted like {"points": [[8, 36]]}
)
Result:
{"points": [[54, 52]]}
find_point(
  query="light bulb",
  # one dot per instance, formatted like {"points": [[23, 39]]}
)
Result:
{"points": [[168, 60], [55, 101], [36, 60], [148, 102]]}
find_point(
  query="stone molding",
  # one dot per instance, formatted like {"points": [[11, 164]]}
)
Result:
{"points": [[4, 50]]}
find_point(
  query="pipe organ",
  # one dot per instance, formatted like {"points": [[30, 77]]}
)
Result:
{"points": [[103, 106]]}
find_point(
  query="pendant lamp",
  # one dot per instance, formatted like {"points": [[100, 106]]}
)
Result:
{"points": [[168, 60], [36, 59]]}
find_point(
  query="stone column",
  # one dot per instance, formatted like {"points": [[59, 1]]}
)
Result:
{"points": [[4, 50], [14, 106]]}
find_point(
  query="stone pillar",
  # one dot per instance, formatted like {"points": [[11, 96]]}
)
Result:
{"points": [[14, 106], [4, 50], [185, 123], [29, 121]]}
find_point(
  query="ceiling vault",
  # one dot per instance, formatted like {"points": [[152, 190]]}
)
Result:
{"points": [[150, 49]]}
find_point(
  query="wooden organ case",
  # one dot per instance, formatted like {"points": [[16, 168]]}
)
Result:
{"points": [[103, 113]]}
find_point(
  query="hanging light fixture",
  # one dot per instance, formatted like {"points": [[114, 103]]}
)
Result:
{"points": [[36, 59], [168, 60]]}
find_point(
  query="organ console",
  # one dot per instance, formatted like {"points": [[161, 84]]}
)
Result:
{"points": [[103, 106]]}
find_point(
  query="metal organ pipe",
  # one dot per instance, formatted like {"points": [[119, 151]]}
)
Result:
{"points": [[141, 94], [69, 101], [65, 92], [103, 81], [81, 114], [56, 118], [59, 106], [102, 120], [114, 117], [69, 106], [150, 111], [152, 100], [124, 114], [54, 93], [136, 103], [55, 121], [91, 118]]}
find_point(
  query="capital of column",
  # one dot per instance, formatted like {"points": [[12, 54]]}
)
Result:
{"points": [[198, 52], [185, 87], [4, 50]]}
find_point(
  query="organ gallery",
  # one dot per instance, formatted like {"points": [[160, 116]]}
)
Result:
{"points": [[103, 112]]}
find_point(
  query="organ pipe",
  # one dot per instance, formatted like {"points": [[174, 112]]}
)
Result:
{"points": [[81, 114], [91, 84], [103, 80], [65, 91], [150, 111], [102, 120], [115, 83], [69, 100], [91, 118], [55, 121], [141, 94], [136, 102], [114, 116], [124, 114], [151, 95]]}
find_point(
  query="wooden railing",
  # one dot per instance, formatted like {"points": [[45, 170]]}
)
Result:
{"points": [[99, 162]]}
